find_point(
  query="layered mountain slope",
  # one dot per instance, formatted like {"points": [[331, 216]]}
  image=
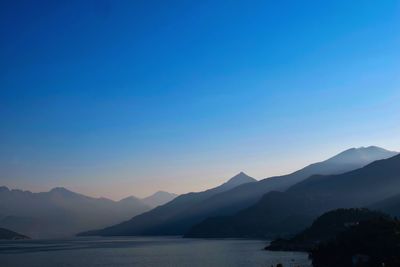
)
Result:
{"points": [[243, 196], [285, 213], [61, 212], [158, 198], [389, 205], [167, 219], [185, 211]]}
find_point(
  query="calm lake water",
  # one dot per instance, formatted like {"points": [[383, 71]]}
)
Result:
{"points": [[144, 251]]}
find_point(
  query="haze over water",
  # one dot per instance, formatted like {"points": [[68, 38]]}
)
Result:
{"points": [[145, 251]]}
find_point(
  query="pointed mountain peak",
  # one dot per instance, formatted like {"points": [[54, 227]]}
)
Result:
{"points": [[238, 179], [242, 177]]}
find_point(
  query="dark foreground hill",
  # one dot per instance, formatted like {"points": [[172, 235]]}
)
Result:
{"points": [[325, 228], [370, 243], [286, 213], [11, 235], [178, 216]]}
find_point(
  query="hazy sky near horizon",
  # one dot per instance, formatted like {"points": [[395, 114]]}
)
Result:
{"points": [[114, 98]]}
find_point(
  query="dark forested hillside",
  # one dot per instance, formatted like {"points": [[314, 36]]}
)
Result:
{"points": [[370, 243], [325, 228]]}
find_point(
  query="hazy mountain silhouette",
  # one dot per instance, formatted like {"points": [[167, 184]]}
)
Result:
{"points": [[169, 219], [240, 192], [244, 196], [61, 212], [285, 213], [389, 205], [11, 235], [158, 198]]}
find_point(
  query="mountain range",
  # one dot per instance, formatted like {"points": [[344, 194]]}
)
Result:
{"points": [[285, 213], [186, 213], [158, 198], [61, 212], [169, 219]]}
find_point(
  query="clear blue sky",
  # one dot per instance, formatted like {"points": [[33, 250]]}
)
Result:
{"points": [[115, 98]]}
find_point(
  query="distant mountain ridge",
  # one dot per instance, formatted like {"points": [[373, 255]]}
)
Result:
{"points": [[61, 212], [239, 179], [362, 154], [178, 216], [244, 196], [166, 219], [390, 205], [158, 198], [285, 213]]}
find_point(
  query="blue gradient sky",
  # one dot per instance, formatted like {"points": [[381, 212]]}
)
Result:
{"points": [[115, 98]]}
